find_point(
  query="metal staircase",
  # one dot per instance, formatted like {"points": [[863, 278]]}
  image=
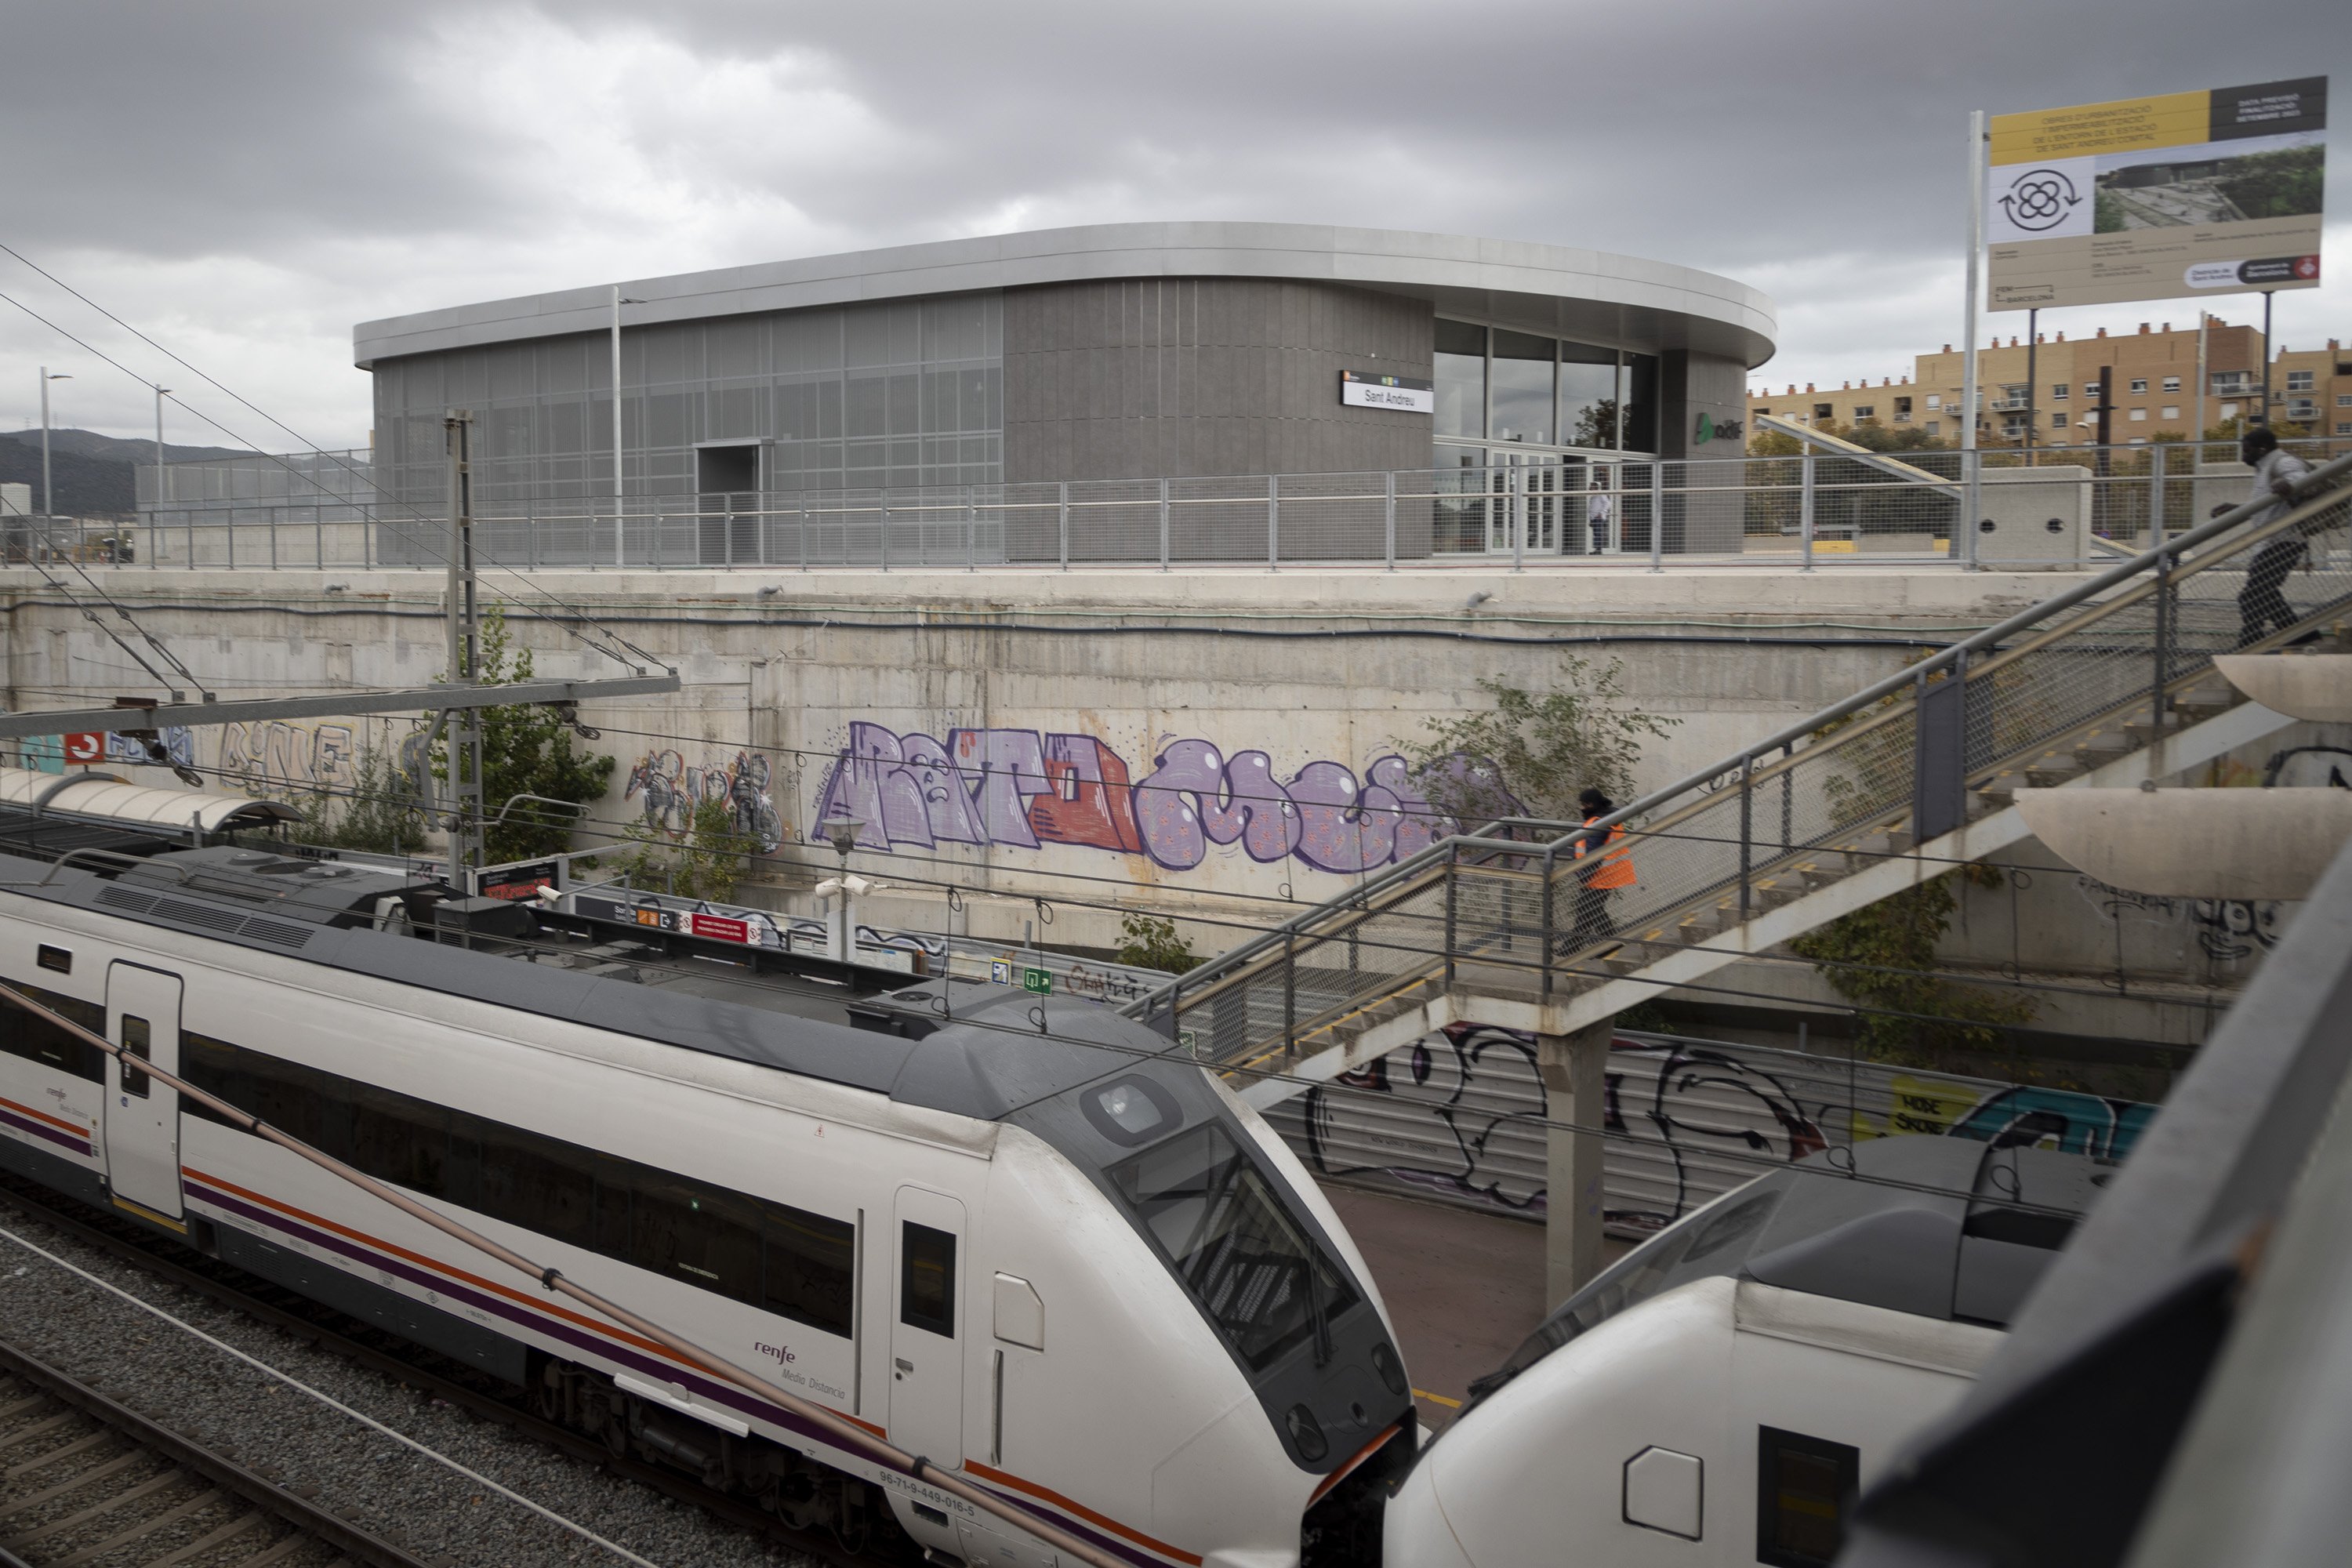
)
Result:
{"points": [[2109, 683]]}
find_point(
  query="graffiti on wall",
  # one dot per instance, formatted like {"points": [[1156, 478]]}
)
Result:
{"points": [[1460, 1115], [47, 753], [2224, 929], [277, 756], [1025, 789], [669, 790]]}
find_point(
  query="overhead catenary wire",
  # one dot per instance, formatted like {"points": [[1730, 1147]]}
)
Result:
{"points": [[618, 648]]}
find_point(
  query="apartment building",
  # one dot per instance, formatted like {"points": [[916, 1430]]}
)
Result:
{"points": [[2151, 375]]}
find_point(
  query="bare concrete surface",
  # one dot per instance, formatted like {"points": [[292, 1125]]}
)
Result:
{"points": [[1463, 1288]]}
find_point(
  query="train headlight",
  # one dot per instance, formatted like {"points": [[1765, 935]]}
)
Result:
{"points": [[1131, 1111], [1307, 1433]]}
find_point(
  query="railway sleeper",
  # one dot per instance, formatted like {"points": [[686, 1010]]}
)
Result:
{"points": [[797, 1489]]}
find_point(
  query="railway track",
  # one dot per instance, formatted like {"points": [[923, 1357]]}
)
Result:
{"points": [[455, 1383], [84, 1479]]}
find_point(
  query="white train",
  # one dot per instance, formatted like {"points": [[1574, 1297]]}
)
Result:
{"points": [[1721, 1394], [1089, 1277]]}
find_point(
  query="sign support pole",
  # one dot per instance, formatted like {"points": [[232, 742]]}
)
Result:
{"points": [[1969, 318], [2263, 413]]}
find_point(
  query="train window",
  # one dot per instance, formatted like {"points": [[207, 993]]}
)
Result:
{"points": [[1805, 1490], [395, 1139], [809, 1267], [927, 1280], [35, 1039], [697, 1234], [792, 1262], [1262, 1279], [530, 1180], [56, 958], [138, 1041]]}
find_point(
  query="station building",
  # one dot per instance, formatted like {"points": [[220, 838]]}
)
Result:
{"points": [[1127, 350]]}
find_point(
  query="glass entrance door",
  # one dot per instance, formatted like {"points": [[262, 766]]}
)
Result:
{"points": [[1528, 504]]}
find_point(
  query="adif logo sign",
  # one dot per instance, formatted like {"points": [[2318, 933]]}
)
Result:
{"points": [[1716, 430]]}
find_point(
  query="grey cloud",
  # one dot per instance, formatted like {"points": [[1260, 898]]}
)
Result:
{"points": [[372, 154]]}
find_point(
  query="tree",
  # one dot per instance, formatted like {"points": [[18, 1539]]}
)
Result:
{"points": [[1152, 944], [379, 814], [1884, 957], [707, 863], [527, 750], [1529, 754]]}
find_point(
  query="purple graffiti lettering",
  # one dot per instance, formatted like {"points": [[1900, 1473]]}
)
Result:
{"points": [[1004, 767], [1194, 798], [872, 782]]}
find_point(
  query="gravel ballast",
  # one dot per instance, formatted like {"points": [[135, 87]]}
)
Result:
{"points": [[326, 1455]]}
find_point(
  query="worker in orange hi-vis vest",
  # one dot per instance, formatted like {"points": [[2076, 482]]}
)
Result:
{"points": [[1608, 865]]}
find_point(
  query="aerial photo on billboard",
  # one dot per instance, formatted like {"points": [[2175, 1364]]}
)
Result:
{"points": [[2153, 198]]}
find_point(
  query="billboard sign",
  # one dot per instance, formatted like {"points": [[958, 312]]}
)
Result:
{"points": [[2157, 199]]}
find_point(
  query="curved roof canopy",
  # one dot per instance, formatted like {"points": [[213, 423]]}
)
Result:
{"points": [[1593, 295], [102, 797]]}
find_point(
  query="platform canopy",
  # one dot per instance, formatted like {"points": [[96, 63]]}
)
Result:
{"points": [[103, 797]]}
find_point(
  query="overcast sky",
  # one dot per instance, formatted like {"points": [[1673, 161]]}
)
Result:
{"points": [[245, 181]]}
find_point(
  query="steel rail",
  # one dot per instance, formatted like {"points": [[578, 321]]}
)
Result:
{"points": [[552, 1280], [184, 1453], [339, 1333]]}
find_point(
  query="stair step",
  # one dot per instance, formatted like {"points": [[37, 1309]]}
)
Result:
{"points": [[1817, 875], [2053, 770]]}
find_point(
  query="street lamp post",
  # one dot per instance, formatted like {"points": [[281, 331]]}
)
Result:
{"points": [[48, 497], [842, 939]]}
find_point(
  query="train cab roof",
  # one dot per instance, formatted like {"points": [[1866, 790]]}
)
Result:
{"points": [[1953, 1228]]}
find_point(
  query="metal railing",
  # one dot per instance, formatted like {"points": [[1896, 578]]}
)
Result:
{"points": [[1820, 509], [2090, 674]]}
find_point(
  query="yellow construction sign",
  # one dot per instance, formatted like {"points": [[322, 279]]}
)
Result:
{"points": [[2150, 198]]}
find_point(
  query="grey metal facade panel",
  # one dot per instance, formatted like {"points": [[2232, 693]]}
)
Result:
{"points": [[1650, 304], [1109, 379]]}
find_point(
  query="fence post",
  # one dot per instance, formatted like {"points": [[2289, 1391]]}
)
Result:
{"points": [[1657, 514], [1515, 502], [1972, 493], [1163, 522], [971, 532], [1805, 510], [318, 537], [1453, 861], [1289, 993], [1747, 830], [1062, 510], [1550, 855], [530, 528], [2155, 494], [1274, 522], [884, 503], [273, 539], [2163, 637], [228, 534], [801, 526], [1389, 523]]}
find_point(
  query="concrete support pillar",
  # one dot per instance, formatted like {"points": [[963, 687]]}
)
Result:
{"points": [[1575, 1076]]}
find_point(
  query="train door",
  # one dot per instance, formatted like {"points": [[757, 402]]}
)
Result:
{"points": [[142, 1115], [926, 1352]]}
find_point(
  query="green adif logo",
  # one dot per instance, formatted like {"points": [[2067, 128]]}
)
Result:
{"points": [[1705, 431], [1712, 429]]}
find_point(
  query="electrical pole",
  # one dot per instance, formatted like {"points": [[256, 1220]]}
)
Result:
{"points": [[48, 495], [1970, 464], [160, 393], [2262, 409], [463, 726], [2203, 319], [2032, 387]]}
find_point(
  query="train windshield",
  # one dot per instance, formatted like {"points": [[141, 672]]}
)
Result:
{"points": [[1223, 1224], [1717, 1240]]}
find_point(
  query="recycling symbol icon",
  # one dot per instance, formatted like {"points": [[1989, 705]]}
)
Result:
{"points": [[2039, 199]]}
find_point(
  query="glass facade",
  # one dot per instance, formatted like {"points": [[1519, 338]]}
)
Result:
{"points": [[1494, 384], [904, 393]]}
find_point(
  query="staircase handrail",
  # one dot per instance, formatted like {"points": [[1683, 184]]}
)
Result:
{"points": [[1445, 849]]}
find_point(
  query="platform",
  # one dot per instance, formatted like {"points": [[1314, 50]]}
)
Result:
{"points": [[1462, 1287]]}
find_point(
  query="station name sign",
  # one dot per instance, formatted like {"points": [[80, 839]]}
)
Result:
{"points": [[1363, 389]]}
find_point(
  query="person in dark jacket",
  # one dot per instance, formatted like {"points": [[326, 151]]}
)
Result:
{"points": [[2262, 602]]}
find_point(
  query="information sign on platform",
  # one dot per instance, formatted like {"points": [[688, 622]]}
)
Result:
{"points": [[2215, 191]]}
